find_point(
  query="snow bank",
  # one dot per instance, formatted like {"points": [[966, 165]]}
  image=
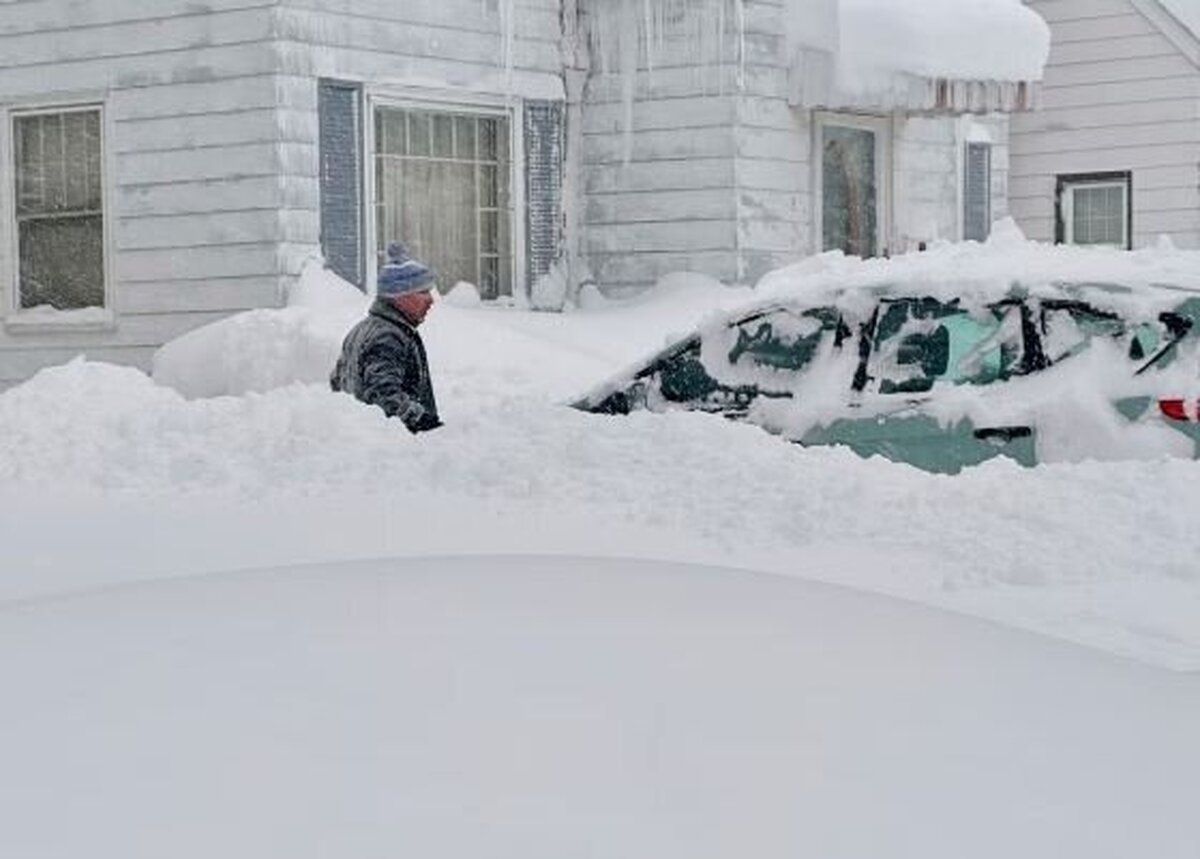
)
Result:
{"points": [[162, 485], [264, 349], [544, 708]]}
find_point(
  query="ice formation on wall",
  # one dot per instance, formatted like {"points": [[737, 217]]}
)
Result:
{"points": [[626, 36]]}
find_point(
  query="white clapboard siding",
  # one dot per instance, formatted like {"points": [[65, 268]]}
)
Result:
{"points": [[195, 138], [454, 47], [214, 198], [1121, 92]]}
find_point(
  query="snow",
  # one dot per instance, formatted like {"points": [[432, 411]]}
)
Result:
{"points": [[237, 455], [883, 54], [957, 39], [547, 707]]}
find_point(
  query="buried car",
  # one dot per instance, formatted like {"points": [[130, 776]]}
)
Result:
{"points": [[945, 375]]}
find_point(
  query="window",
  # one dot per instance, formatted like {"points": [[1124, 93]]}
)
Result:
{"points": [[977, 192], [59, 207], [442, 187], [921, 341], [1095, 209], [853, 159]]}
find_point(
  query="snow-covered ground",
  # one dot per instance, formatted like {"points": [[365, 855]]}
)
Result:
{"points": [[262, 620], [108, 477]]}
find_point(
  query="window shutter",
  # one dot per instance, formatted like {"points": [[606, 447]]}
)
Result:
{"points": [[544, 146], [977, 192], [340, 113]]}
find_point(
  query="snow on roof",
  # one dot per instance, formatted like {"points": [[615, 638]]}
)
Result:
{"points": [[923, 54], [981, 273]]}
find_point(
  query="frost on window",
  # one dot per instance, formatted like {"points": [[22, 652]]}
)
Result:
{"points": [[848, 190], [59, 209], [1067, 328], [442, 188]]}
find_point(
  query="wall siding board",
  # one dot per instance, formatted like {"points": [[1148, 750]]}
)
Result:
{"points": [[1118, 94]]}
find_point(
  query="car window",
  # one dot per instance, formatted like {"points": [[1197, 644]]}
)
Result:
{"points": [[921, 341], [784, 338], [1068, 327]]}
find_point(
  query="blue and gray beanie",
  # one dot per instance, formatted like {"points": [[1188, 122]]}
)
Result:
{"points": [[402, 273]]}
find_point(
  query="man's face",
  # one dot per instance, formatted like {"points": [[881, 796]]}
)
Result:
{"points": [[414, 305]]}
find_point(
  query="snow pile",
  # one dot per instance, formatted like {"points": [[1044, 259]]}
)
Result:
{"points": [[1099, 553], [263, 349], [985, 272], [502, 707]]}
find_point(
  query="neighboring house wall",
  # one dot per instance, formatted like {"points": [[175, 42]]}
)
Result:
{"points": [[193, 150], [1121, 93]]}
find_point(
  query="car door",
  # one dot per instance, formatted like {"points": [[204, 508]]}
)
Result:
{"points": [[912, 347]]}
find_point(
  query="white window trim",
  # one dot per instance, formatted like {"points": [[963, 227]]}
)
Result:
{"points": [[16, 319], [883, 128], [1069, 188], [456, 102]]}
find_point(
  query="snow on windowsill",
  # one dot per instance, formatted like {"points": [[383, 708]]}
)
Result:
{"points": [[47, 318]]}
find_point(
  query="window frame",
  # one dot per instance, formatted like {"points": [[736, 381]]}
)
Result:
{"points": [[1064, 201], [14, 316], [510, 109], [882, 128]]}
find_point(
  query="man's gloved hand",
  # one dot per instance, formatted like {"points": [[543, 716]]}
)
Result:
{"points": [[425, 423]]}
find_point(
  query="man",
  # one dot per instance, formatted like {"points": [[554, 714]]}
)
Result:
{"points": [[383, 359]]}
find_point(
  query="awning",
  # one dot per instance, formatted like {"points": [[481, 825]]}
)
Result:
{"points": [[954, 56]]}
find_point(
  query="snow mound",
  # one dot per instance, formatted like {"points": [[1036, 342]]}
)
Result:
{"points": [[546, 708], [260, 350], [982, 272]]}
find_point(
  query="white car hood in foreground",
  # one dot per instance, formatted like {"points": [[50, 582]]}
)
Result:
{"points": [[522, 707]]}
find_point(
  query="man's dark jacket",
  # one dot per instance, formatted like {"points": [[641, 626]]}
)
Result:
{"points": [[383, 363]]}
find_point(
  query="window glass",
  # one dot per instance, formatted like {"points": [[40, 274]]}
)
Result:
{"points": [[445, 195], [785, 339], [1094, 209], [59, 209], [921, 341], [1098, 216], [1067, 328], [848, 190]]}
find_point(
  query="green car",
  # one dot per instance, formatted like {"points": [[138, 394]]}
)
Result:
{"points": [[1061, 371]]}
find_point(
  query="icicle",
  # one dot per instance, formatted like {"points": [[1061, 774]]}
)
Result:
{"points": [[508, 39], [628, 35]]}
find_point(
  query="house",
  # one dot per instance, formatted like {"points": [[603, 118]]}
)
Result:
{"points": [[165, 165], [1113, 154]]}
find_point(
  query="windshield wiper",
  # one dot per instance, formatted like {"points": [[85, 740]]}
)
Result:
{"points": [[1180, 327]]}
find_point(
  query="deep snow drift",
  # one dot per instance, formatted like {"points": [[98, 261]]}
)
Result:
{"points": [[106, 476]]}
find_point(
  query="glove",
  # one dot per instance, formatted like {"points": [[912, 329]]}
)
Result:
{"points": [[425, 423]]}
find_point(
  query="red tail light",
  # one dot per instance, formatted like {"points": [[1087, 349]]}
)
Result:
{"points": [[1175, 410]]}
